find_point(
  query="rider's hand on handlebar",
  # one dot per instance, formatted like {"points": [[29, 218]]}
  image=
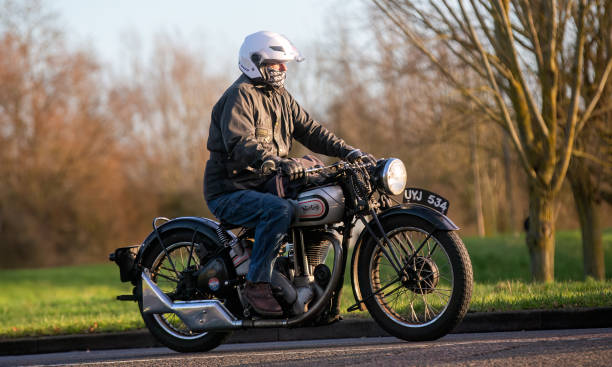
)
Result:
{"points": [[357, 155], [292, 169], [268, 167]]}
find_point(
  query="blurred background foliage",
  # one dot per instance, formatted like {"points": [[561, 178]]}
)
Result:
{"points": [[90, 155]]}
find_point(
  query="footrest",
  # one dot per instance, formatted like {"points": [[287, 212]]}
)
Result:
{"points": [[126, 297]]}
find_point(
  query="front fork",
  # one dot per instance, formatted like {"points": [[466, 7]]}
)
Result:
{"points": [[334, 311], [391, 254]]}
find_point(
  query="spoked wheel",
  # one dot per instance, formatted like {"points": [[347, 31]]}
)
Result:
{"points": [[430, 294], [168, 328]]}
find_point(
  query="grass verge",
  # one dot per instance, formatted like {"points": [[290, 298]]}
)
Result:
{"points": [[81, 299]]}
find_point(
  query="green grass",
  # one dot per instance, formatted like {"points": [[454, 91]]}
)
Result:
{"points": [[65, 300], [81, 299], [518, 295], [506, 257]]}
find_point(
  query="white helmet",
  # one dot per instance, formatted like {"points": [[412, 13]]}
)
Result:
{"points": [[261, 47]]}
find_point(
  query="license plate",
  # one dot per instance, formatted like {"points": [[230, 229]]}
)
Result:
{"points": [[426, 198]]}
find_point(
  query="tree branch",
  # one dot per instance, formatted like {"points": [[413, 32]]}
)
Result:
{"points": [[483, 25], [519, 73], [533, 33], [572, 116], [500, 102], [454, 37], [605, 165], [600, 88], [421, 47]]}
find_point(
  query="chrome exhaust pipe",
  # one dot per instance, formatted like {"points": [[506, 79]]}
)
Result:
{"points": [[205, 315]]}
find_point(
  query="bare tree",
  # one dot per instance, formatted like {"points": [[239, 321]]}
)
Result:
{"points": [[590, 172], [57, 177], [164, 107], [514, 46], [87, 160], [383, 96]]}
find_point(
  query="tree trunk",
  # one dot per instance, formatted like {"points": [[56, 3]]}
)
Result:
{"points": [[509, 185], [477, 187], [541, 234], [590, 226]]}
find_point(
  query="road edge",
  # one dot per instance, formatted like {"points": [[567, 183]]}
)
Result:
{"points": [[350, 328]]}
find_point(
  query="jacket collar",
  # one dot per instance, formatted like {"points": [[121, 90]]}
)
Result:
{"points": [[260, 85]]}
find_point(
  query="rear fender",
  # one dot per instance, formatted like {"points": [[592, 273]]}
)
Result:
{"points": [[203, 226], [439, 221]]}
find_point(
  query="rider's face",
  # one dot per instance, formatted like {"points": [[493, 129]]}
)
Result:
{"points": [[278, 66]]}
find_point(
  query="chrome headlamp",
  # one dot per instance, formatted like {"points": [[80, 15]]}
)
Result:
{"points": [[393, 176]]}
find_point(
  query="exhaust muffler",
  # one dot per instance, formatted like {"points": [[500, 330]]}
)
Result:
{"points": [[205, 315]]}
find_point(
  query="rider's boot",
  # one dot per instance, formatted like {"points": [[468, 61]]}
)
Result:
{"points": [[260, 297]]}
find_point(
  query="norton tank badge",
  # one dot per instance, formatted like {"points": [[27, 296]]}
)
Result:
{"points": [[313, 208], [213, 284]]}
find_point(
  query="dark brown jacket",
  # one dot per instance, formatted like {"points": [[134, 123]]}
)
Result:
{"points": [[251, 123]]}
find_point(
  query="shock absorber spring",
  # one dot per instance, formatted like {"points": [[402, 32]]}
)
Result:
{"points": [[225, 239]]}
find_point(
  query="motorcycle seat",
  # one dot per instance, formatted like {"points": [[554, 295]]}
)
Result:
{"points": [[228, 226]]}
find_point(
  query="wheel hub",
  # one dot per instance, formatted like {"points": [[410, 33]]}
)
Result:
{"points": [[185, 288], [423, 276]]}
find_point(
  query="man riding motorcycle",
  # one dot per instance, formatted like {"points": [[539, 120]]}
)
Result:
{"points": [[255, 121]]}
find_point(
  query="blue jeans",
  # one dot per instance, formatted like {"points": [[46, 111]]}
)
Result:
{"points": [[271, 217]]}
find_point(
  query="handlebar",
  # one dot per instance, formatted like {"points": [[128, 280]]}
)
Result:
{"points": [[269, 166]]}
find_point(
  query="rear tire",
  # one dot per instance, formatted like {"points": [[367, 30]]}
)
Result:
{"points": [[168, 329], [433, 296]]}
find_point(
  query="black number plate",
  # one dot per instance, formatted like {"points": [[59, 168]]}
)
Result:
{"points": [[426, 198]]}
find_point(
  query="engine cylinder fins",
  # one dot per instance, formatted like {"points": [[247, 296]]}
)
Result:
{"points": [[317, 252]]}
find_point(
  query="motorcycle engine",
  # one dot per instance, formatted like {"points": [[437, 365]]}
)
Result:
{"points": [[294, 293]]}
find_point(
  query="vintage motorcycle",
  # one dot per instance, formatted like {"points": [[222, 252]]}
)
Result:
{"points": [[408, 266]]}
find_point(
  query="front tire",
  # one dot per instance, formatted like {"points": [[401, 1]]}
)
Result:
{"points": [[167, 328], [433, 294]]}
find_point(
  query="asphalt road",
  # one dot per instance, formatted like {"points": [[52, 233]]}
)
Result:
{"points": [[576, 347]]}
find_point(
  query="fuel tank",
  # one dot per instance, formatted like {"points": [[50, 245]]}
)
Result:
{"points": [[321, 205]]}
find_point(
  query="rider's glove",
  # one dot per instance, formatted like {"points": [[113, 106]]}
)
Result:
{"points": [[357, 155], [292, 169]]}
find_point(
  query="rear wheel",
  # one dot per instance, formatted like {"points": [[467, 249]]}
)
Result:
{"points": [[431, 295], [168, 328]]}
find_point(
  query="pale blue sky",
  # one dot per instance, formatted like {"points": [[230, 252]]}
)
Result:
{"points": [[216, 26]]}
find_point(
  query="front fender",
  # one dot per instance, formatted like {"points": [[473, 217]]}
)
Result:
{"points": [[439, 221]]}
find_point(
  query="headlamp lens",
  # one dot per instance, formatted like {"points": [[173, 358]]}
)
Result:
{"points": [[394, 176]]}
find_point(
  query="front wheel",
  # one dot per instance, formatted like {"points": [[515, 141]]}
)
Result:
{"points": [[431, 293]]}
